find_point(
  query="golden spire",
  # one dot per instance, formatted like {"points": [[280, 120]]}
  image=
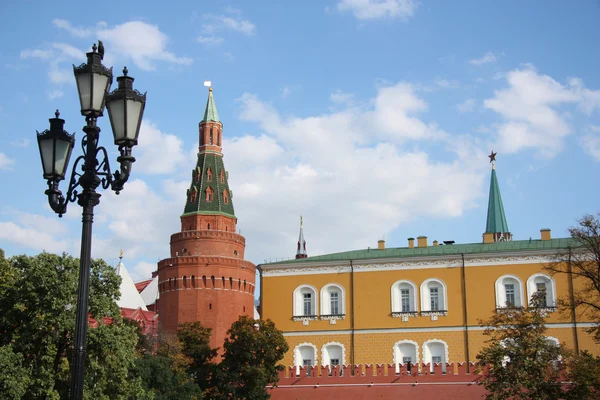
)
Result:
{"points": [[301, 221], [121, 254]]}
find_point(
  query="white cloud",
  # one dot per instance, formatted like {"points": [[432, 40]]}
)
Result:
{"points": [[447, 84], [234, 23], [340, 97], [73, 30], [142, 42], [210, 40], [158, 152], [36, 53], [6, 162], [55, 94], [530, 107], [287, 90], [376, 9], [590, 142], [24, 143], [467, 105], [34, 238], [328, 167], [487, 58]]}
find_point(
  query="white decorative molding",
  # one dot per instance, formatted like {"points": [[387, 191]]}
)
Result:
{"points": [[426, 351], [396, 348], [297, 360], [324, 349], [333, 317], [305, 318], [451, 262], [434, 314], [501, 294], [405, 315], [325, 299]]}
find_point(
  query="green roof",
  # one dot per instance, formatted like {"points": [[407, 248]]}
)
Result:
{"points": [[210, 114], [442, 250], [496, 220], [210, 175]]}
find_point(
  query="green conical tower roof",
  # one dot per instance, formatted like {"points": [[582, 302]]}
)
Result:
{"points": [[496, 219], [209, 192], [211, 114]]}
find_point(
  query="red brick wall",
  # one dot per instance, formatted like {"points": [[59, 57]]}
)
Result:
{"points": [[209, 281]]}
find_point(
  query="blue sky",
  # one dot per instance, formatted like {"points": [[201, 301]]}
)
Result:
{"points": [[370, 118]]}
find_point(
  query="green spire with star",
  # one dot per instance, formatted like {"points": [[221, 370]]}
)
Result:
{"points": [[210, 114], [496, 219]]}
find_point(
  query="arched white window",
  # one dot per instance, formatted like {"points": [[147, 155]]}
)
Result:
{"points": [[305, 355], [404, 297], [509, 292], [305, 301], [333, 300], [406, 352], [545, 284], [435, 351], [434, 296], [333, 353]]}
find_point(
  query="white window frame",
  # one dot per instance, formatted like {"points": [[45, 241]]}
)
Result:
{"points": [[326, 299], [299, 360], [396, 296], [325, 358], [427, 357], [298, 300], [397, 354], [501, 293], [426, 298], [550, 289]]}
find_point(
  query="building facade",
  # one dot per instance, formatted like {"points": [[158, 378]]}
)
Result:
{"points": [[206, 278], [416, 304]]}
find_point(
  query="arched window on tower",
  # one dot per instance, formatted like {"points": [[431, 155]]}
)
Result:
{"points": [[210, 194], [201, 136], [193, 195], [210, 138], [209, 174], [225, 196], [222, 176]]}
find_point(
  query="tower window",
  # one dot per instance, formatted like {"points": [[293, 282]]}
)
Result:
{"points": [[210, 138], [210, 306], [193, 195], [222, 177], [210, 194], [209, 174], [225, 196]]}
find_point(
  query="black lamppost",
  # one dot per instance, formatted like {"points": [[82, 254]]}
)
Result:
{"points": [[90, 170]]}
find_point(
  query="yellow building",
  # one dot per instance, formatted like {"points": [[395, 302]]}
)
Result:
{"points": [[419, 303]]}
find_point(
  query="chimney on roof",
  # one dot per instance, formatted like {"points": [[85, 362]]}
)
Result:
{"points": [[488, 237], [435, 242], [422, 241], [381, 244], [546, 235], [411, 243]]}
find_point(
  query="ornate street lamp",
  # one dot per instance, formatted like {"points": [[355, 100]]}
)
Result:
{"points": [[90, 170]]}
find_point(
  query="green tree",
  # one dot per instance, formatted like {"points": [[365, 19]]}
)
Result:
{"points": [[519, 362], [159, 377], [251, 355], [194, 339], [584, 373], [582, 260], [14, 378], [37, 318]]}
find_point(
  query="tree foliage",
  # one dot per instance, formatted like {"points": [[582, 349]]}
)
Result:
{"points": [[582, 259], [251, 355], [37, 319], [519, 361]]}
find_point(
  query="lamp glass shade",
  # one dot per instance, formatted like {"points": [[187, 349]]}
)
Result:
{"points": [[92, 89], [126, 108], [125, 117], [55, 151]]}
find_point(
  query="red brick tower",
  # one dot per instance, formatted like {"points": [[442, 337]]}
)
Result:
{"points": [[206, 278]]}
